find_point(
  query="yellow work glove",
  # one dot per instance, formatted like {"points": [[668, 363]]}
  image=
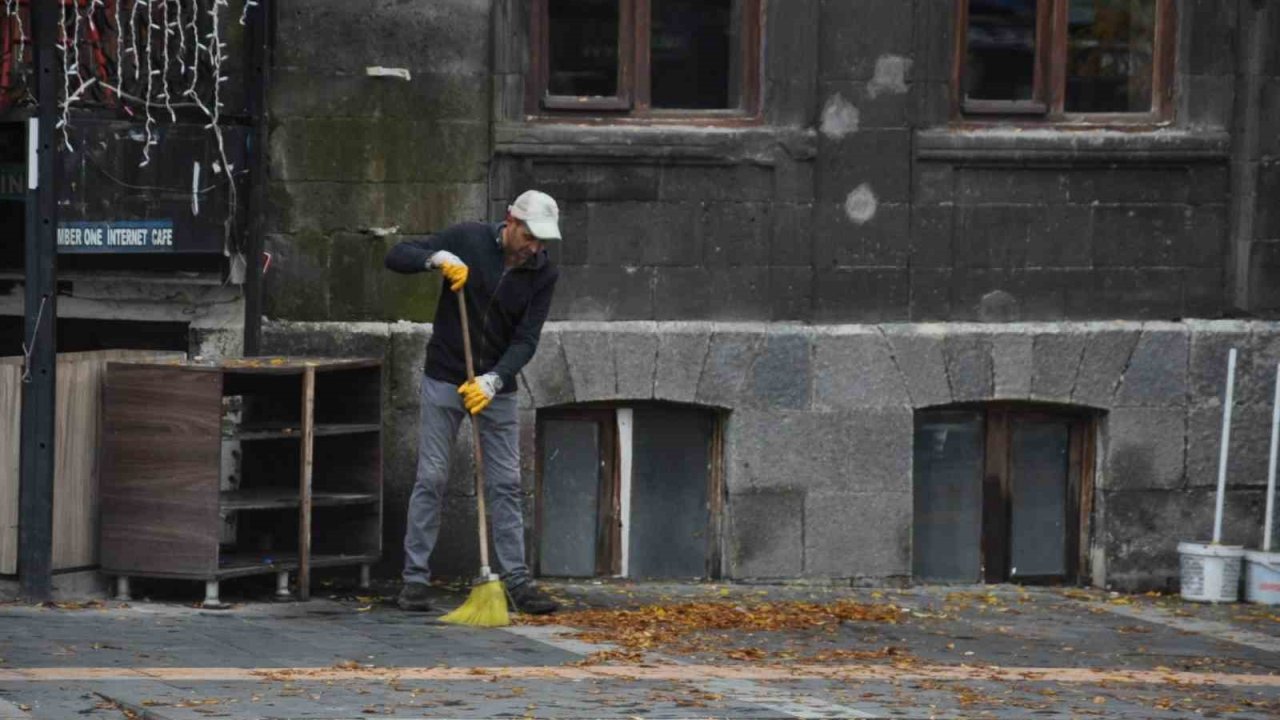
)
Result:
{"points": [[452, 267], [477, 394]]}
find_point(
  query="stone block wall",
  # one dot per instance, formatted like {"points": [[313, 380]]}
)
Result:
{"points": [[357, 160], [819, 426]]}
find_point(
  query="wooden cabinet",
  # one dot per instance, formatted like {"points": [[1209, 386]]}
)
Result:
{"points": [[245, 467]]}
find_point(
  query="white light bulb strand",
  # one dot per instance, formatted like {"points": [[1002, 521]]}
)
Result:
{"points": [[196, 47], [150, 121], [133, 38], [181, 30], [164, 75], [15, 11], [244, 11], [119, 31]]}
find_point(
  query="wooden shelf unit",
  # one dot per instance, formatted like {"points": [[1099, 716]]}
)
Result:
{"points": [[243, 467]]}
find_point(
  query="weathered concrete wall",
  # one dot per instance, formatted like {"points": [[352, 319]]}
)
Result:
{"points": [[355, 159], [820, 426]]}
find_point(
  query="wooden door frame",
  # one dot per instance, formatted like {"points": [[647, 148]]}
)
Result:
{"points": [[997, 506], [609, 544]]}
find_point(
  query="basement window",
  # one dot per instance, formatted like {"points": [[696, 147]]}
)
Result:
{"points": [[1001, 494], [628, 492], [1097, 61], [645, 58]]}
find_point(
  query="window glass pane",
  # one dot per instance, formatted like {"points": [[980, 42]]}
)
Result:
{"points": [[947, 498], [570, 498], [1001, 41], [694, 51], [584, 47], [1109, 55], [1038, 536]]}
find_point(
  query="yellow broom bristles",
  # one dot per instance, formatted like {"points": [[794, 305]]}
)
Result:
{"points": [[485, 607]]}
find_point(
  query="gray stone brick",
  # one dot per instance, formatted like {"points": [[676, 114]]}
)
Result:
{"points": [[876, 454], [1106, 354], [681, 293], [790, 293], [857, 535], [1005, 186], [856, 371], [1130, 293], [994, 236], [1209, 184], [1206, 245], [1057, 364], [1146, 449], [402, 372], [1250, 449], [1157, 371], [969, 367], [681, 356], [737, 183], [930, 294], [1139, 236], [861, 295], [1212, 45], [766, 534], [632, 234], [1013, 361], [1139, 559], [738, 293], [729, 359], [784, 449], [880, 158], [636, 357], [1063, 237], [580, 182], [924, 367], [791, 242], [782, 373], [547, 375], [1147, 185], [931, 230], [591, 365], [875, 110], [735, 234], [881, 242], [934, 184], [604, 292], [848, 50], [1208, 373]]}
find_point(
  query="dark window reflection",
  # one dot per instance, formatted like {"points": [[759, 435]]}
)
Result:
{"points": [[694, 54], [1109, 55], [1001, 50], [584, 48]]}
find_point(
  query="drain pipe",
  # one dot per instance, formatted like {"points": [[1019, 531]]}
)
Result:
{"points": [[1246, 150]]}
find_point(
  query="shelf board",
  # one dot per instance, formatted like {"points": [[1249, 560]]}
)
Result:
{"points": [[285, 431], [285, 498], [241, 564]]}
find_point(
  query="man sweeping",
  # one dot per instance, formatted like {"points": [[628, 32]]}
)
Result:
{"points": [[508, 281]]}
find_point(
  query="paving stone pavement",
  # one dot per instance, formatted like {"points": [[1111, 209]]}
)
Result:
{"points": [[971, 652]]}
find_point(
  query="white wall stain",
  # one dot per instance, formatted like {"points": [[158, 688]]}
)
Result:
{"points": [[839, 117], [891, 75], [861, 204]]}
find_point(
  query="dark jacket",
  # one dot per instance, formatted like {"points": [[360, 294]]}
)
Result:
{"points": [[506, 308]]}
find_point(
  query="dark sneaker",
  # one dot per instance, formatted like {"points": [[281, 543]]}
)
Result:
{"points": [[413, 597], [531, 600]]}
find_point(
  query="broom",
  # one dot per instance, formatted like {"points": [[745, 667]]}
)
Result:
{"points": [[486, 606]]}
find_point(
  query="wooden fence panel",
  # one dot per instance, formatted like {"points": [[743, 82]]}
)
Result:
{"points": [[75, 484]]}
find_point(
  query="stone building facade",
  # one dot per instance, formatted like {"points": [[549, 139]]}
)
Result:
{"points": [[842, 273]]}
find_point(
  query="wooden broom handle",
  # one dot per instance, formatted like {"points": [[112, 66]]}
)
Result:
{"points": [[475, 434]]}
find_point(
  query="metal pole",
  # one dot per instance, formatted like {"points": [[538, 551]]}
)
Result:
{"points": [[35, 540], [1226, 442], [259, 69], [1271, 471]]}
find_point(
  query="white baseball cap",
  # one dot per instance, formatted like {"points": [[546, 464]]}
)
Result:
{"points": [[539, 211]]}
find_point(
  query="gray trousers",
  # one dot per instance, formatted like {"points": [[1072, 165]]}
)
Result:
{"points": [[442, 413]]}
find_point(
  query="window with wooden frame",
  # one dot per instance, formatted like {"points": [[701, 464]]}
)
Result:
{"points": [[1091, 61], [631, 492], [1002, 493], [649, 59]]}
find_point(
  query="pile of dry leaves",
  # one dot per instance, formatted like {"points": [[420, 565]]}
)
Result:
{"points": [[700, 627]]}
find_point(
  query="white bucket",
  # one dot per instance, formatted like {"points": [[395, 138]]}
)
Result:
{"points": [[1262, 583], [1210, 573]]}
